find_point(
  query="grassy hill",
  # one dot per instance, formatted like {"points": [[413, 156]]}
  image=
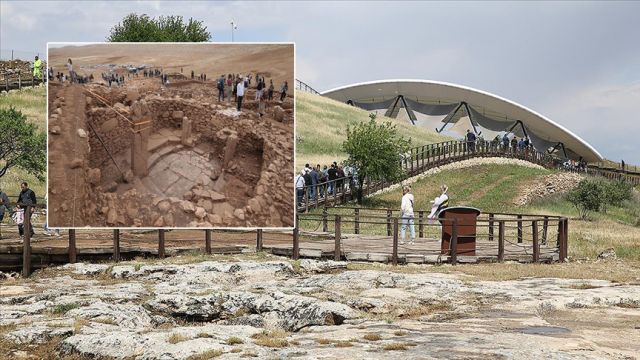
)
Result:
{"points": [[32, 103], [321, 125]]}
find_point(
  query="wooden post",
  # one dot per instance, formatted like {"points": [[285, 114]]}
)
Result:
{"points": [[519, 229], [338, 235], [421, 223], [536, 245], [566, 240], [306, 199], [389, 214], [394, 254], [161, 243], [19, 81], [296, 241], [545, 225], [500, 240], [116, 245], [490, 227], [207, 241], [26, 244], [325, 223], [454, 243], [356, 220], [72, 246], [259, 240]]}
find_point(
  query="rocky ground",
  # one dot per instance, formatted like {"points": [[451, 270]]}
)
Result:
{"points": [[552, 184], [272, 308]]}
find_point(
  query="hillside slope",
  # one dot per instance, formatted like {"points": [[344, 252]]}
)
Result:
{"points": [[321, 125]]}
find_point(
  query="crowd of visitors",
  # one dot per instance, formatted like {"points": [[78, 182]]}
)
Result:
{"points": [[27, 197], [317, 182]]}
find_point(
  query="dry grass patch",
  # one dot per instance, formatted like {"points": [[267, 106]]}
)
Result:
{"points": [[209, 354], [176, 338], [583, 286], [400, 333], [78, 324], [4, 329], [271, 338], [323, 341], [343, 343], [372, 337], [234, 340], [628, 305], [63, 308], [235, 350], [204, 335], [396, 347]]}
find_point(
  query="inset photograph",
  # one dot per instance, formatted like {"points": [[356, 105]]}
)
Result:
{"points": [[170, 135]]}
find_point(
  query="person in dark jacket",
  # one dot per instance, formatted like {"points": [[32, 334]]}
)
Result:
{"points": [[314, 182], [27, 197], [332, 175], [4, 204]]}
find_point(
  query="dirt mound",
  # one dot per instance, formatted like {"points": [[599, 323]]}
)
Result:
{"points": [[553, 184], [10, 69]]}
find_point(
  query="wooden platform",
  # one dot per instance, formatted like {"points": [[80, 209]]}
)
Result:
{"points": [[97, 245]]}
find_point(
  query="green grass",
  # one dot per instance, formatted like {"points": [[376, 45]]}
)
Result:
{"points": [[321, 125], [32, 103]]}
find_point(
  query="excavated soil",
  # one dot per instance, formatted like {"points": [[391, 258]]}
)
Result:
{"points": [[152, 155]]}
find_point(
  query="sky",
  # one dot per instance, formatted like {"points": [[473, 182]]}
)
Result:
{"points": [[577, 63]]}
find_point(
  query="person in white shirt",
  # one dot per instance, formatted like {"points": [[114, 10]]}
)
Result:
{"points": [[300, 187], [407, 215], [439, 203], [240, 94]]}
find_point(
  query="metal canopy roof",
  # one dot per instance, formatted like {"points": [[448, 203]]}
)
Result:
{"points": [[492, 107]]}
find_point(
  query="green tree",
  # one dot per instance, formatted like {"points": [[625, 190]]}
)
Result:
{"points": [[21, 144], [375, 151], [587, 197], [142, 28], [615, 193]]}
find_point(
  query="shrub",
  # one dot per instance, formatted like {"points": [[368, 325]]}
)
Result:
{"points": [[586, 197]]}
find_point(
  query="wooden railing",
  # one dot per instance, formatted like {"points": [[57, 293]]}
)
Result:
{"points": [[422, 158]]}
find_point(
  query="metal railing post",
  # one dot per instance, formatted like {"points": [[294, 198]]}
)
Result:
{"points": [[519, 229], [356, 221], [490, 227], [389, 214], [421, 224], [296, 240]]}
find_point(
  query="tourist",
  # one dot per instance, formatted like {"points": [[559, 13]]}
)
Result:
{"points": [[240, 94], [340, 176], [71, 72], [229, 87], [439, 203], [37, 65], [300, 187], [471, 141], [27, 197], [407, 215], [505, 142], [283, 90], [307, 180], [259, 90], [332, 175], [221, 88], [192, 75], [261, 106], [4, 204], [270, 91], [514, 145], [323, 177], [314, 181]]}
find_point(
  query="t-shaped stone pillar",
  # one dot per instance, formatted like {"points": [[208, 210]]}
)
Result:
{"points": [[230, 148], [142, 125], [186, 132]]}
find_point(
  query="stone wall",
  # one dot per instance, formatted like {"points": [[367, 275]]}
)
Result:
{"points": [[114, 131]]}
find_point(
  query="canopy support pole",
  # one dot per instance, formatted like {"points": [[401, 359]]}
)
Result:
{"points": [[449, 117]]}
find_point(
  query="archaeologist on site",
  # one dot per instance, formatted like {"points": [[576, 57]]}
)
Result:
{"points": [[27, 197], [270, 91], [439, 203], [37, 66], [406, 209], [240, 94], [283, 91]]}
